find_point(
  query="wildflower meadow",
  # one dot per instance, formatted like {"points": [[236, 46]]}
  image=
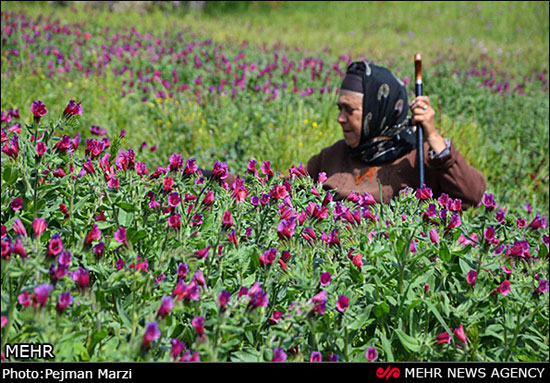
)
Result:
{"points": [[116, 247]]}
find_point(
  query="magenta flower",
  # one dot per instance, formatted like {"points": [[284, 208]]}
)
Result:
{"points": [[177, 347], [176, 162], [18, 227], [279, 355], [227, 220], [371, 354], [220, 170], [119, 264], [319, 302], [55, 246], [97, 130], [41, 293], [72, 108], [24, 299], [471, 277], [504, 288], [208, 198], [198, 325], [16, 204], [223, 298], [258, 297], [266, 169], [342, 304], [309, 234], [489, 235], [152, 333], [99, 249], [538, 222], [174, 199], [232, 237], [65, 300], [93, 235], [174, 221], [40, 149], [444, 337], [489, 202], [322, 177], [286, 228], [326, 278], [542, 287], [120, 235], [165, 307], [316, 357], [460, 334], [38, 109], [434, 237], [357, 260], [276, 316], [82, 277], [190, 167], [455, 221], [424, 193], [268, 257], [38, 226]]}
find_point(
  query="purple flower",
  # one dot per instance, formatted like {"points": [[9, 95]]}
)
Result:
{"points": [[16, 204], [18, 227], [279, 355], [489, 202], [538, 222], [424, 193], [174, 199], [97, 130], [198, 325], [455, 221], [543, 287], [326, 278], [268, 257], [82, 277], [177, 347], [220, 170], [504, 288], [73, 108], [41, 293], [434, 237], [38, 226], [224, 298], [40, 149], [316, 357], [38, 109], [120, 235], [342, 304], [166, 306], [65, 300], [152, 333], [371, 354], [471, 277]]}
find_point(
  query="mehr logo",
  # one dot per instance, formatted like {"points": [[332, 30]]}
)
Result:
{"points": [[388, 373], [29, 351]]}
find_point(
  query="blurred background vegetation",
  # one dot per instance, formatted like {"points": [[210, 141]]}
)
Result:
{"points": [[503, 133]]}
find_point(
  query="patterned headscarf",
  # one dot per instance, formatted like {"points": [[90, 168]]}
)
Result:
{"points": [[386, 132]]}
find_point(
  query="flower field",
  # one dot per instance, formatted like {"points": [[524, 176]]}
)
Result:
{"points": [[115, 247]]}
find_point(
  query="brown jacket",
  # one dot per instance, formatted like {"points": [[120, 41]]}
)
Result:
{"points": [[450, 174]]}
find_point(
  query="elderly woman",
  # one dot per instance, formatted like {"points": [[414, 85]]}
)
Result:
{"points": [[379, 143]]}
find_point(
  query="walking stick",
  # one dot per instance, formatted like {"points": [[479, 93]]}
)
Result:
{"points": [[419, 130]]}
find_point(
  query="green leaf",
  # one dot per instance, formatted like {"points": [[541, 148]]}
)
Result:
{"points": [[386, 346], [381, 309], [410, 343], [123, 315], [361, 320], [437, 315], [247, 355]]}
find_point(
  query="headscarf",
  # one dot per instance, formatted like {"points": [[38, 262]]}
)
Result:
{"points": [[386, 133]]}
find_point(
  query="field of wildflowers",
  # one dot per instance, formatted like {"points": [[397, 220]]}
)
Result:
{"points": [[116, 248]]}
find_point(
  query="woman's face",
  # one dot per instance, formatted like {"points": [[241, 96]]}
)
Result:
{"points": [[350, 105]]}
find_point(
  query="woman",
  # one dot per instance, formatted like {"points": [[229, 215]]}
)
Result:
{"points": [[379, 143]]}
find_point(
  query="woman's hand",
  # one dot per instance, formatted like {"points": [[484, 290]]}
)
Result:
{"points": [[423, 113]]}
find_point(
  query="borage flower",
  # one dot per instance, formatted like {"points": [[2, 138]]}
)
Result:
{"points": [[371, 354], [152, 333]]}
